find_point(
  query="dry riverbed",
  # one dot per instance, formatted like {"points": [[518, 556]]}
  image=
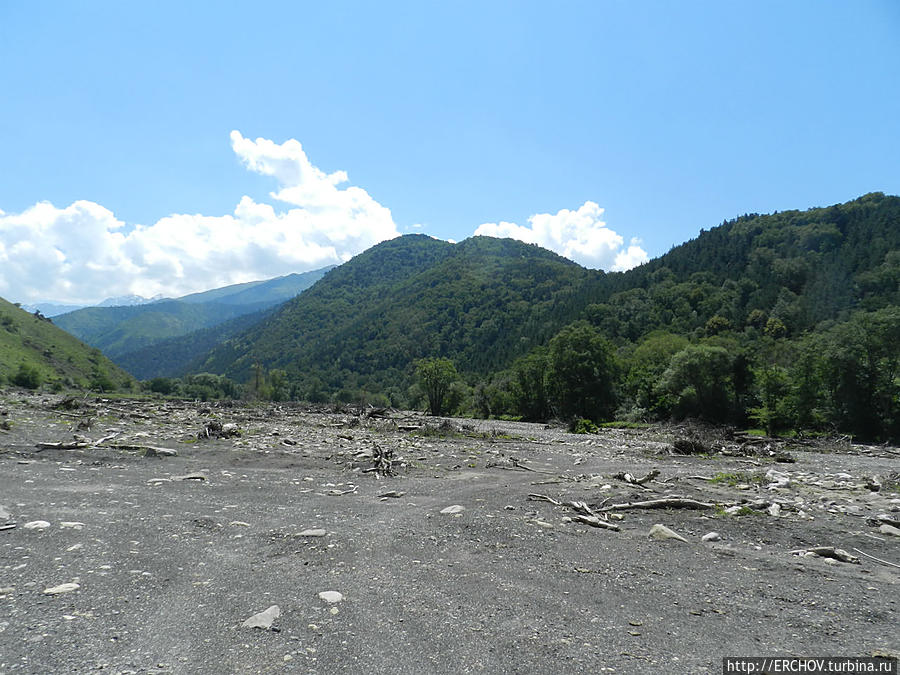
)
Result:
{"points": [[169, 537]]}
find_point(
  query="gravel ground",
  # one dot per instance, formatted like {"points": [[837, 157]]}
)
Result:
{"points": [[171, 554]]}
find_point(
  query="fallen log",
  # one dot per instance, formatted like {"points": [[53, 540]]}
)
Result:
{"points": [[583, 512], [664, 503]]}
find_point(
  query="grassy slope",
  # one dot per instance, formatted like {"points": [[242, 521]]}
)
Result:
{"points": [[57, 355]]}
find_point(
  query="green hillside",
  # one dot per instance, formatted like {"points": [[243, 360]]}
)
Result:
{"points": [[118, 331], [50, 355]]}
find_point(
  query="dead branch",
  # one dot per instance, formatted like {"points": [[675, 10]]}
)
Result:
{"points": [[883, 562]]}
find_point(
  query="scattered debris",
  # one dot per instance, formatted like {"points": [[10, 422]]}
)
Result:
{"points": [[215, 429], [584, 513]]}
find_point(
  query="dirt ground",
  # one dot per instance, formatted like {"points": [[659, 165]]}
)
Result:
{"points": [[117, 555]]}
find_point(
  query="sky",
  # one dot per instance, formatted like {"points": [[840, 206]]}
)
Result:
{"points": [[170, 147]]}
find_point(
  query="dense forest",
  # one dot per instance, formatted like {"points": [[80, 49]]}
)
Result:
{"points": [[789, 322]]}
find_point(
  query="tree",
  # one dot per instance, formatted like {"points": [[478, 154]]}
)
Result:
{"points": [[582, 371], [699, 380], [530, 386], [436, 375]]}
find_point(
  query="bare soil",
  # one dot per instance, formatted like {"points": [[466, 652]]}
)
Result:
{"points": [[172, 553]]}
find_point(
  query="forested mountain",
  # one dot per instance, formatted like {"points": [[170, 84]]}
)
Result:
{"points": [[34, 352], [481, 302], [789, 320], [123, 330]]}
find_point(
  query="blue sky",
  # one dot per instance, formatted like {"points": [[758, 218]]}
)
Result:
{"points": [[579, 125]]}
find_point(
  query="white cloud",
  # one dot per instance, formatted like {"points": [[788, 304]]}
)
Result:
{"points": [[578, 235], [82, 253]]}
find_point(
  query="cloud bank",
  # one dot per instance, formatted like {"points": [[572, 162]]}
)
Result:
{"points": [[82, 253], [578, 235]]}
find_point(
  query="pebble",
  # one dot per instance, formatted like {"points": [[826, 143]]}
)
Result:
{"points": [[331, 597], [62, 588], [36, 525], [456, 508], [314, 532], [774, 510], [662, 532], [711, 536], [4, 514], [239, 523], [263, 619], [71, 525]]}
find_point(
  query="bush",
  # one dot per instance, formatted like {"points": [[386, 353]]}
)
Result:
{"points": [[28, 376], [582, 426]]}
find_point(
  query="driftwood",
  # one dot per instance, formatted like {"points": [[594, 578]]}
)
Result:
{"points": [[639, 482], [664, 503], [63, 445], [828, 552], [383, 461], [583, 512]]}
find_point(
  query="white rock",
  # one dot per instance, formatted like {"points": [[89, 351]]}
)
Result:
{"points": [[36, 525], [456, 508], [774, 510], [239, 523], [71, 525], [62, 588], [711, 536], [331, 597], [263, 619], [314, 532], [889, 530], [660, 531]]}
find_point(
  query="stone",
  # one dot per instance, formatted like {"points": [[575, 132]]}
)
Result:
{"points": [[72, 525], [331, 597], [450, 510], [36, 525], [661, 532], [4, 514], [62, 588], [711, 536], [774, 510], [313, 532], [889, 530], [263, 619]]}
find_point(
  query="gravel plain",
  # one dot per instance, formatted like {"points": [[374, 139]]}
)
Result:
{"points": [[133, 546]]}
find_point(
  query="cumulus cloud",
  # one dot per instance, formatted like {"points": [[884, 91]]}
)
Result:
{"points": [[83, 253], [578, 235]]}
